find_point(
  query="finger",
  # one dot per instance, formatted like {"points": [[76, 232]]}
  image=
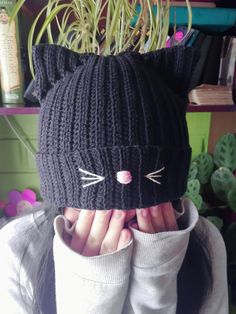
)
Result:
{"points": [[134, 225], [97, 233], [130, 214], [82, 229], [144, 220], [169, 216], [125, 238], [157, 218], [112, 236], [71, 214]]}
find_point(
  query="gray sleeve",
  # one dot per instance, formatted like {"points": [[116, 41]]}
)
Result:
{"points": [[94, 285], [15, 295], [156, 261]]}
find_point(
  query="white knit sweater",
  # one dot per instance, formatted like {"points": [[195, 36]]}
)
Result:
{"points": [[140, 278]]}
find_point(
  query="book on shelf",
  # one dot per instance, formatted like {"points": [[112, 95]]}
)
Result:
{"points": [[211, 68], [190, 42], [228, 56], [234, 83], [11, 76], [208, 94], [203, 43]]}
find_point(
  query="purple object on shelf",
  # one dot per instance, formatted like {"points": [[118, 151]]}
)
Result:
{"points": [[10, 210], [19, 202], [14, 197], [29, 195]]}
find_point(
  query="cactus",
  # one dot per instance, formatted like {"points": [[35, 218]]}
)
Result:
{"points": [[232, 198], [193, 189], [218, 222], [222, 181], [192, 171], [225, 152], [205, 167]]}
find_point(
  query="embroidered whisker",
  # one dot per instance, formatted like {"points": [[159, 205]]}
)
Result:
{"points": [[92, 183], [151, 176], [83, 178], [157, 171], [91, 174], [94, 177], [155, 176]]}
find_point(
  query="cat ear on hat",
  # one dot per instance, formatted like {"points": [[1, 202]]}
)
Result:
{"points": [[51, 63], [175, 66]]}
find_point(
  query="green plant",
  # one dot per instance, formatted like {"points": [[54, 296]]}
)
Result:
{"points": [[78, 25], [193, 189], [225, 152], [192, 171], [218, 222], [222, 181], [215, 174], [205, 166]]}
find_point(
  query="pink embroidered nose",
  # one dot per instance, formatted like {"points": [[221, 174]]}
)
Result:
{"points": [[124, 177]]}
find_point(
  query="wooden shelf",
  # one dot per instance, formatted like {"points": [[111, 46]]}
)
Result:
{"points": [[18, 111], [211, 108], [191, 108]]}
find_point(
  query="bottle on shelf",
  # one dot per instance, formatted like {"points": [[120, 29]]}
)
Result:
{"points": [[11, 76]]}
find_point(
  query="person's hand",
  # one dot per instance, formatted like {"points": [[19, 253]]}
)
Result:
{"points": [[156, 219], [98, 232]]}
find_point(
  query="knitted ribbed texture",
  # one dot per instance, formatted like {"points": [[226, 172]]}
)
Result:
{"points": [[101, 115]]}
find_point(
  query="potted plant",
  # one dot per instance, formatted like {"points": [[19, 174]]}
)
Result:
{"points": [[102, 26]]}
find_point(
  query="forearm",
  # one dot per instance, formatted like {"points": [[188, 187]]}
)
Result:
{"points": [[90, 284]]}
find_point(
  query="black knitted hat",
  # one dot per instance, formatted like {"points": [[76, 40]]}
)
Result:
{"points": [[112, 129]]}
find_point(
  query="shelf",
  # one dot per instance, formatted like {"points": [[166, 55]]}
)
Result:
{"points": [[211, 108], [214, 19], [18, 111], [191, 108]]}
